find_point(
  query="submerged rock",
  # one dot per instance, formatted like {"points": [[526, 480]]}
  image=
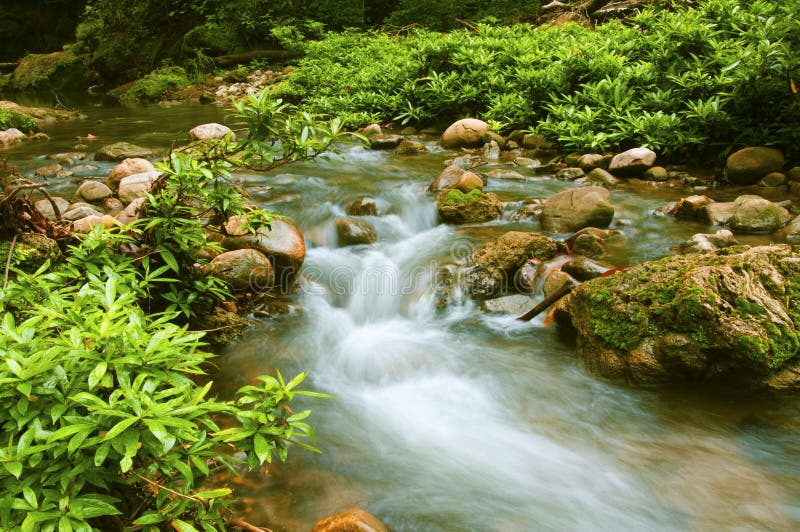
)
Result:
{"points": [[362, 207], [353, 232], [355, 520], [729, 317], [123, 150]]}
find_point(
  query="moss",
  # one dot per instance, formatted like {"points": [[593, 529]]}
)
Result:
{"points": [[157, 85], [58, 71], [24, 123], [30, 252], [455, 197], [746, 307]]}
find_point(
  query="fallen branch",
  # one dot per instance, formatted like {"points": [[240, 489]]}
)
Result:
{"points": [[247, 526], [552, 298]]}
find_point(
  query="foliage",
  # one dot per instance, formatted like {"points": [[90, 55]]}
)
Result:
{"points": [[455, 197], [24, 123], [107, 423], [698, 80], [156, 85], [448, 14]]}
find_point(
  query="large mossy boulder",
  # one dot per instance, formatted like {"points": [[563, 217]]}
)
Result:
{"points": [[727, 317], [58, 72], [474, 207]]}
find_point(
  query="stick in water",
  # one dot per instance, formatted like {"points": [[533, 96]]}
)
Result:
{"points": [[552, 298]]}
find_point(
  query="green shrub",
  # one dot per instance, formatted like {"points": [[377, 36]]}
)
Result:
{"points": [[24, 123], [157, 85]]}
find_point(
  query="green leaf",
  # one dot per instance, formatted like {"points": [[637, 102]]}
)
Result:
{"points": [[30, 497], [101, 453], [262, 449], [213, 494], [182, 526], [15, 468], [125, 464], [150, 518], [169, 258], [64, 524], [117, 429], [97, 374]]}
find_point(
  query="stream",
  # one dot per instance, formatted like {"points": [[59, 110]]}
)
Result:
{"points": [[462, 419]]}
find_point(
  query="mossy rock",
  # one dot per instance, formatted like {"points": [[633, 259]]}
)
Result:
{"points": [[24, 123], [62, 72], [30, 251], [730, 317], [473, 207], [41, 115], [157, 85]]}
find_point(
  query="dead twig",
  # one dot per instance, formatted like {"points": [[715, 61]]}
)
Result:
{"points": [[8, 261], [247, 526], [541, 307]]}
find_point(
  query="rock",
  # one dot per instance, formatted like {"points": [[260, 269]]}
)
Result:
{"points": [[690, 208], [556, 281], [754, 214], [583, 269], [725, 317], [212, 131], [483, 283], [600, 177], [122, 150], [282, 244], [490, 136], [773, 179], [410, 147], [112, 206], [42, 115], [131, 213], [504, 174], [718, 213], [128, 167], [466, 133], [81, 212], [136, 186], [570, 174], [482, 208], [491, 151], [530, 211], [85, 225], [701, 243], [535, 141], [515, 304], [371, 130], [445, 285], [748, 165], [527, 276], [31, 250], [353, 232], [656, 173], [792, 231], [11, 136], [244, 270], [409, 130], [469, 181], [85, 169], [588, 245], [600, 234], [794, 174], [92, 192], [355, 520], [447, 179], [467, 162], [575, 209], [513, 249], [51, 170], [632, 163], [590, 161], [527, 162], [362, 207], [46, 208], [385, 142]]}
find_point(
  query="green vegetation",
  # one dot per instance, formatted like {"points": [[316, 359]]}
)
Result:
{"points": [[157, 85], [108, 423], [696, 81], [24, 123], [455, 197]]}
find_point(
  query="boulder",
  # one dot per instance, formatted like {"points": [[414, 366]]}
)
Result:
{"points": [[748, 165], [514, 304], [590, 161], [371, 130], [600, 177], [128, 167], [85, 225], [527, 276], [354, 520], [570, 173], [410, 147], [773, 179], [575, 209], [632, 163], [244, 270], [466, 133], [362, 207], [700, 243], [718, 213], [50, 170], [490, 136], [282, 244], [483, 283], [792, 231], [509, 252], [556, 280], [504, 174], [588, 245], [46, 208], [353, 232], [123, 150], [131, 213], [599, 234], [754, 214], [447, 179], [211, 131], [136, 186], [77, 213], [656, 173], [727, 317], [92, 192], [583, 269], [30, 251], [469, 208], [11, 136], [385, 142], [690, 208]]}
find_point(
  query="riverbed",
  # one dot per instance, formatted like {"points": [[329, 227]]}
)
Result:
{"points": [[460, 419]]}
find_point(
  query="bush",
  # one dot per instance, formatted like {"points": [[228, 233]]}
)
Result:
{"points": [[157, 85], [24, 123]]}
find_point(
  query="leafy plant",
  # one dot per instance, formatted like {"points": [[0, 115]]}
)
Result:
{"points": [[455, 197]]}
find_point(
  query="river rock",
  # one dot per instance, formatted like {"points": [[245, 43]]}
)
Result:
{"points": [[491, 151], [595, 232], [30, 251], [447, 179], [85, 225], [371, 130], [792, 231], [504, 174], [536, 141], [353, 232], [556, 280], [575, 209], [46, 208], [514, 304], [466, 133], [748, 165], [445, 285], [362, 207], [509, 252], [656, 173], [690, 208], [590, 161], [718, 213], [483, 283], [632, 163], [92, 192], [85, 169], [385, 142], [773, 179], [211, 131], [600, 177], [410, 147], [794, 174], [529, 211], [11, 136], [244, 270], [136, 186], [755, 214], [700, 243], [727, 317], [527, 276], [481, 209], [282, 244], [76, 213], [122, 150], [112, 206], [131, 213], [128, 167], [527, 162], [355, 520], [50, 170], [570, 173], [583, 269]]}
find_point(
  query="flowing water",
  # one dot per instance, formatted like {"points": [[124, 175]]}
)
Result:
{"points": [[461, 419]]}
